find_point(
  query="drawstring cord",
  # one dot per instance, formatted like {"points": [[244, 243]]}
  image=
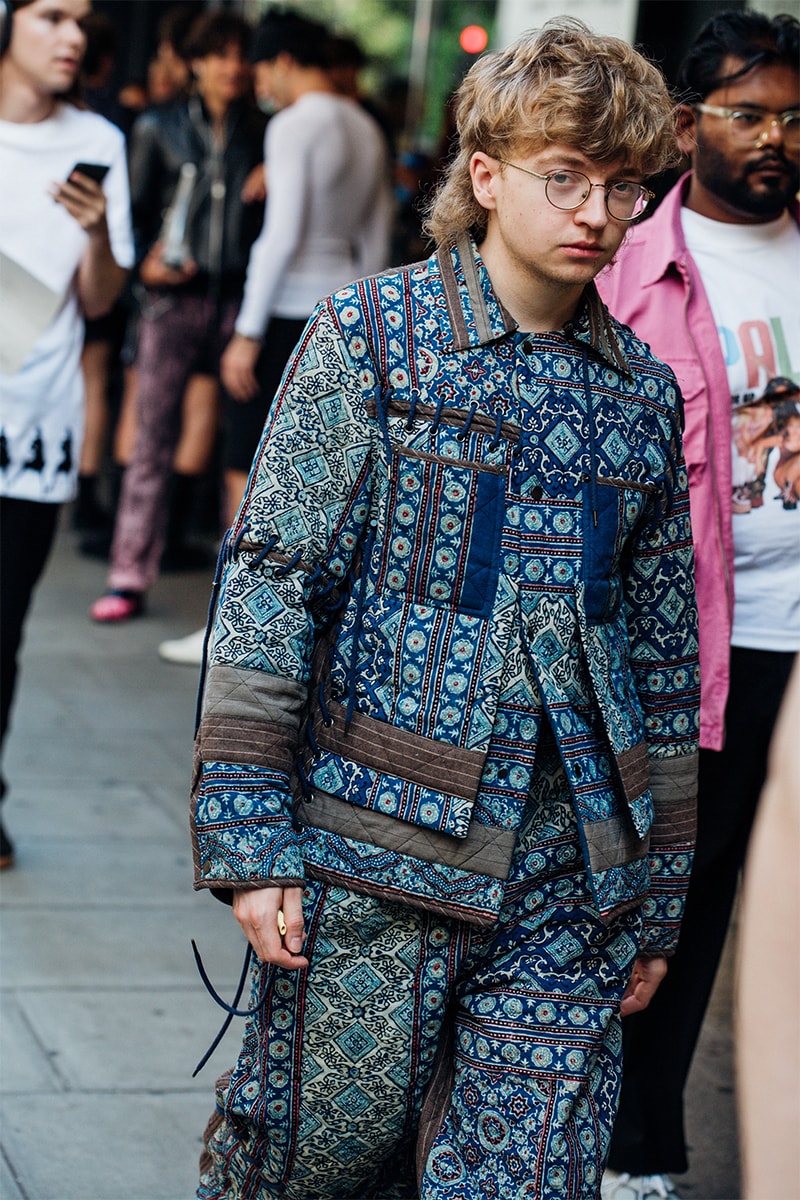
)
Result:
{"points": [[463, 433], [230, 1009], [262, 554]]}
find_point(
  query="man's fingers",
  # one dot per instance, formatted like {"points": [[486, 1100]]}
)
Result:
{"points": [[292, 911], [646, 976], [262, 914], [240, 384]]}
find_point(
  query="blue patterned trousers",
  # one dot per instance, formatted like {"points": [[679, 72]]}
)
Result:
{"points": [[419, 1057]]}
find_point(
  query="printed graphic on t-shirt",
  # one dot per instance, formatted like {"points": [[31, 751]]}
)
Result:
{"points": [[749, 274], [766, 447]]}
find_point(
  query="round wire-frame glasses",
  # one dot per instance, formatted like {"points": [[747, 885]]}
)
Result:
{"points": [[568, 190]]}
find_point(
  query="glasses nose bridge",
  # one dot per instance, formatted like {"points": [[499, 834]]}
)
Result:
{"points": [[772, 121], [590, 187]]}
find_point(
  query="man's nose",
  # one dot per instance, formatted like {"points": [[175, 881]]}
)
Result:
{"points": [[774, 133], [593, 210]]}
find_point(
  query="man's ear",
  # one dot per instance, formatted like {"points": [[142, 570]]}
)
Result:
{"points": [[483, 170], [686, 129]]}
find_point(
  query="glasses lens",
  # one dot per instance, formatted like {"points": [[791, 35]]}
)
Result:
{"points": [[567, 189], [748, 126], [751, 126], [791, 129], [626, 200]]}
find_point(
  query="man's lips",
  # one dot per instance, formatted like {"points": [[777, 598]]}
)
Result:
{"points": [[584, 248], [770, 166]]}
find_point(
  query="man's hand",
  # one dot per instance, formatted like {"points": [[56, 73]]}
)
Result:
{"points": [[238, 367], [154, 273], [254, 188], [258, 912], [85, 201], [647, 975], [100, 278]]}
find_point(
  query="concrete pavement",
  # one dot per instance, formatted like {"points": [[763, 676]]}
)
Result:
{"points": [[102, 1015]]}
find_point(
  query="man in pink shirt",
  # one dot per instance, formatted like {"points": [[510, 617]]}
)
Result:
{"points": [[711, 283]]}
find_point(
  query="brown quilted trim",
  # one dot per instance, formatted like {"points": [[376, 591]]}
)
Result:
{"points": [[674, 784], [454, 418], [398, 752], [634, 771], [486, 850], [613, 842], [257, 743]]}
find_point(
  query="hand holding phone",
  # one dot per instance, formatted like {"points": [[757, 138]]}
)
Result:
{"points": [[87, 205], [95, 171]]}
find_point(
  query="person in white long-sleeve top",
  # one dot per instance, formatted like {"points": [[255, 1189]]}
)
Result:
{"points": [[328, 216]]}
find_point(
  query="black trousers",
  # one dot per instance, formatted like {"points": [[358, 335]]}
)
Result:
{"points": [[27, 530], [244, 423], [658, 1044]]}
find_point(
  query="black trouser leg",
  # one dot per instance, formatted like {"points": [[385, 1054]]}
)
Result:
{"points": [[27, 530], [660, 1042]]}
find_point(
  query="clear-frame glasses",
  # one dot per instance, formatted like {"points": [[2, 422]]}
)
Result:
{"points": [[750, 126], [568, 190]]}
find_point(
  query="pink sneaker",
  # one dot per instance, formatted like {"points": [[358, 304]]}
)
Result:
{"points": [[117, 606]]}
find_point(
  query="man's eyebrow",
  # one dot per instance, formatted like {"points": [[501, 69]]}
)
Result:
{"points": [[556, 159]]}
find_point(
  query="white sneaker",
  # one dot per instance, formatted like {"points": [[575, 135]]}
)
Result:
{"points": [[188, 651], [619, 1185]]}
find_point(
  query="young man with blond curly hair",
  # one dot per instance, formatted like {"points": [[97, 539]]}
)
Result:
{"points": [[446, 756]]}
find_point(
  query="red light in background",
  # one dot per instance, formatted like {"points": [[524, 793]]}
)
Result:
{"points": [[473, 39]]}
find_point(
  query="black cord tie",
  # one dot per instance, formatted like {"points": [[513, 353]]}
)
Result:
{"points": [[237, 541], [463, 433], [262, 554], [230, 1009]]}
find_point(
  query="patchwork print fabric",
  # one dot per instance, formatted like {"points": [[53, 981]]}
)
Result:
{"points": [[442, 505], [491, 1061]]}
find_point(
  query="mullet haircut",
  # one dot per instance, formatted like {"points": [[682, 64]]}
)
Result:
{"points": [[560, 84]]}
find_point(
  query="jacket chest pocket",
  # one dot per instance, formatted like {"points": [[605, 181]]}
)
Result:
{"points": [[611, 511], [443, 531]]}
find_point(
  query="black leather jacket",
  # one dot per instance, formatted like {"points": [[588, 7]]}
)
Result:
{"points": [[219, 232]]}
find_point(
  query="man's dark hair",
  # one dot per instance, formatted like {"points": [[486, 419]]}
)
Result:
{"points": [[174, 26], [213, 32], [345, 52], [284, 32], [101, 42], [754, 38]]}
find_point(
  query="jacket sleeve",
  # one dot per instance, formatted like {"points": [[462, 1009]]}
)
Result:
{"points": [[145, 168], [283, 573], [287, 156], [662, 622]]}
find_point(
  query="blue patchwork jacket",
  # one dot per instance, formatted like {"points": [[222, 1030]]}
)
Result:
{"points": [[454, 531]]}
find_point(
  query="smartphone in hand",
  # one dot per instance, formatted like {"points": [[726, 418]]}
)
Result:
{"points": [[95, 171]]}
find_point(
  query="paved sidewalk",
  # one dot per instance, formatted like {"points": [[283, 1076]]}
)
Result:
{"points": [[102, 1015]]}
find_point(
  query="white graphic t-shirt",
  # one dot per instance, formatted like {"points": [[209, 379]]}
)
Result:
{"points": [[751, 274], [41, 245]]}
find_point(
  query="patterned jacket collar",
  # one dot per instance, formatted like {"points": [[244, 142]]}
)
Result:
{"points": [[477, 316]]}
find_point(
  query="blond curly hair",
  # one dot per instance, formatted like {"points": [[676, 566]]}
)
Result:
{"points": [[560, 84]]}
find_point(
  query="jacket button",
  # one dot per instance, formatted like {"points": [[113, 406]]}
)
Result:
{"points": [[537, 492]]}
